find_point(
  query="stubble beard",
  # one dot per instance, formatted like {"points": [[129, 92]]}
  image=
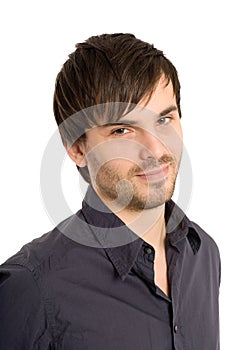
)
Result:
{"points": [[129, 192]]}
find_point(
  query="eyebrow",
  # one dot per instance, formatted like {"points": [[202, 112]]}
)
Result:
{"points": [[122, 122], [135, 122], [168, 110]]}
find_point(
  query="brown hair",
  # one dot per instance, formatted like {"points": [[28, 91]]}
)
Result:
{"points": [[107, 69]]}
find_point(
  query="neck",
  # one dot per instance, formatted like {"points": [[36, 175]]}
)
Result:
{"points": [[149, 224]]}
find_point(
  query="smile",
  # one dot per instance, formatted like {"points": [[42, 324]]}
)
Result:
{"points": [[158, 174]]}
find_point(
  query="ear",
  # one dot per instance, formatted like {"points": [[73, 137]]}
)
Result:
{"points": [[77, 153]]}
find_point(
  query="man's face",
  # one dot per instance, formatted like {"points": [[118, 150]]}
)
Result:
{"points": [[134, 163]]}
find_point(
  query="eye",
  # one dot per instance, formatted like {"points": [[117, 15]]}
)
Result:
{"points": [[164, 120], [120, 131]]}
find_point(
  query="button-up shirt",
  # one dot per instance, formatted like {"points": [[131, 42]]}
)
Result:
{"points": [[89, 284]]}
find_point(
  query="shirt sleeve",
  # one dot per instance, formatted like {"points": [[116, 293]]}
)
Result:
{"points": [[22, 317]]}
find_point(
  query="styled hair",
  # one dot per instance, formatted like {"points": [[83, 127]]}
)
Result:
{"points": [[103, 71]]}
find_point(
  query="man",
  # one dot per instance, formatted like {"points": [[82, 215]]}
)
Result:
{"points": [[129, 270]]}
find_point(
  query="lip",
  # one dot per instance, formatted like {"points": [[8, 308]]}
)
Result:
{"points": [[158, 174]]}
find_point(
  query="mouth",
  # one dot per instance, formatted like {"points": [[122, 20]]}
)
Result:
{"points": [[155, 175]]}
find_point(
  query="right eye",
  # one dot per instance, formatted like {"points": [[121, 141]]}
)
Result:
{"points": [[120, 131]]}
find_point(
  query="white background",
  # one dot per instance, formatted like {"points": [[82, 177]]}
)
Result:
{"points": [[37, 36]]}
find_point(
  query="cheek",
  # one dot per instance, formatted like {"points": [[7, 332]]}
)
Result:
{"points": [[120, 153], [172, 139], [110, 170], [178, 144], [118, 166], [179, 131]]}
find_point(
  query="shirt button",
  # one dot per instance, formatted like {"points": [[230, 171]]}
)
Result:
{"points": [[176, 328], [148, 250]]}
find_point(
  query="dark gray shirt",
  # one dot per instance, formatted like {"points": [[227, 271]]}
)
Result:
{"points": [[78, 287]]}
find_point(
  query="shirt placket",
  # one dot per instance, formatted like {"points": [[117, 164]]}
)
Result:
{"points": [[175, 255]]}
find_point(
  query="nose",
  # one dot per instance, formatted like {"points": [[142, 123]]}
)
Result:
{"points": [[151, 146]]}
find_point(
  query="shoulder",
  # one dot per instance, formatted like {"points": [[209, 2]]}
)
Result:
{"points": [[46, 254], [21, 308], [19, 277], [32, 254], [48, 249], [25, 290]]}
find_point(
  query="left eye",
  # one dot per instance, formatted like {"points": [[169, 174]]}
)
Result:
{"points": [[164, 120], [120, 131]]}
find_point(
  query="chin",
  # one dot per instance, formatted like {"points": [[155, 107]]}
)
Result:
{"points": [[160, 196]]}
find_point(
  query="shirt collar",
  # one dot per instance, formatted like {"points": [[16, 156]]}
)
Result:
{"points": [[120, 243]]}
